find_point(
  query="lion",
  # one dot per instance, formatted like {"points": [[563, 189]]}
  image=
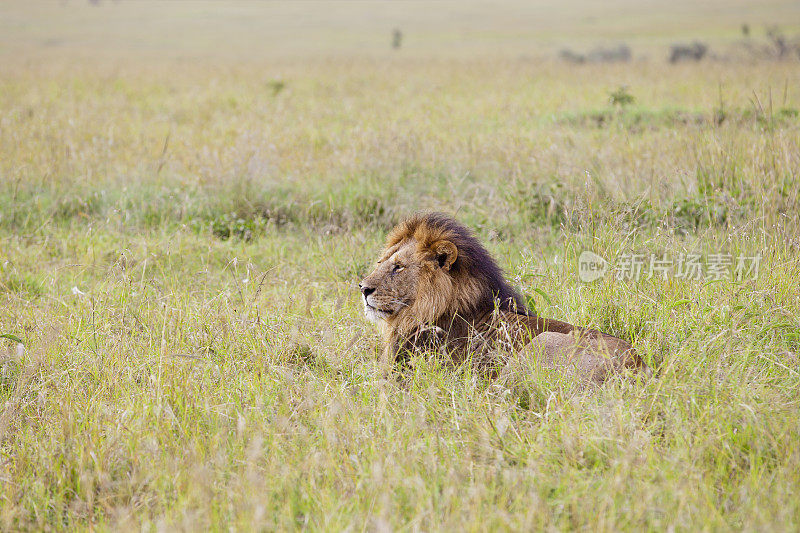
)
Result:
{"points": [[435, 288]]}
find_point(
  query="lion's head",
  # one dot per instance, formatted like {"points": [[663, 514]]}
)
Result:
{"points": [[431, 270]]}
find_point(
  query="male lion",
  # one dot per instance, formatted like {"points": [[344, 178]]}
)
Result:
{"points": [[436, 288]]}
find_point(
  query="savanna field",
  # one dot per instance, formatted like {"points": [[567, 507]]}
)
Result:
{"points": [[191, 192]]}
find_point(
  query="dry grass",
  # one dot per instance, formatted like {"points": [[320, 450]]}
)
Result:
{"points": [[180, 243]]}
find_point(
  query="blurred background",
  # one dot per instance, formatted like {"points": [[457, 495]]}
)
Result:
{"points": [[249, 30]]}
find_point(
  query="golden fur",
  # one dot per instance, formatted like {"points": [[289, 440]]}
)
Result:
{"points": [[436, 288]]}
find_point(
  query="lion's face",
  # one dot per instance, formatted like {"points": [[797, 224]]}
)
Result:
{"points": [[407, 279], [392, 285]]}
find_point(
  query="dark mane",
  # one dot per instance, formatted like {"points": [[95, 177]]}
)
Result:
{"points": [[473, 260]]}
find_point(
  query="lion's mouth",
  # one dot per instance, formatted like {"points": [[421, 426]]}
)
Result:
{"points": [[376, 314], [377, 309]]}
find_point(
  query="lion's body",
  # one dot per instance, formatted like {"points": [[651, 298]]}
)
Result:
{"points": [[436, 288]]}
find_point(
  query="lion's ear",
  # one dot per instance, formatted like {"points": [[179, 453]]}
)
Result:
{"points": [[445, 253]]}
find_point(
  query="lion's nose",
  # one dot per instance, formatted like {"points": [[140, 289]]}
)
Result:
{"points": [[366, 290]]}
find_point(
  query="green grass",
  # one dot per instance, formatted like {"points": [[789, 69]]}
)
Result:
{"points": [[181, 242]]}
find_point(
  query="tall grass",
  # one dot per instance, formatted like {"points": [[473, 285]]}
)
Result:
{"points": [[179, 254]]}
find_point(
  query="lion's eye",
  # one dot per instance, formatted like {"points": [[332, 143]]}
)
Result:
{"points": [[397, 268]]}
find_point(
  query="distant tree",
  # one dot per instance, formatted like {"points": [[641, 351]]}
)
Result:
{"points": [[573, 57], [617, 54], [778, 41], [397, 39], [687, 52], [621, 97]]}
